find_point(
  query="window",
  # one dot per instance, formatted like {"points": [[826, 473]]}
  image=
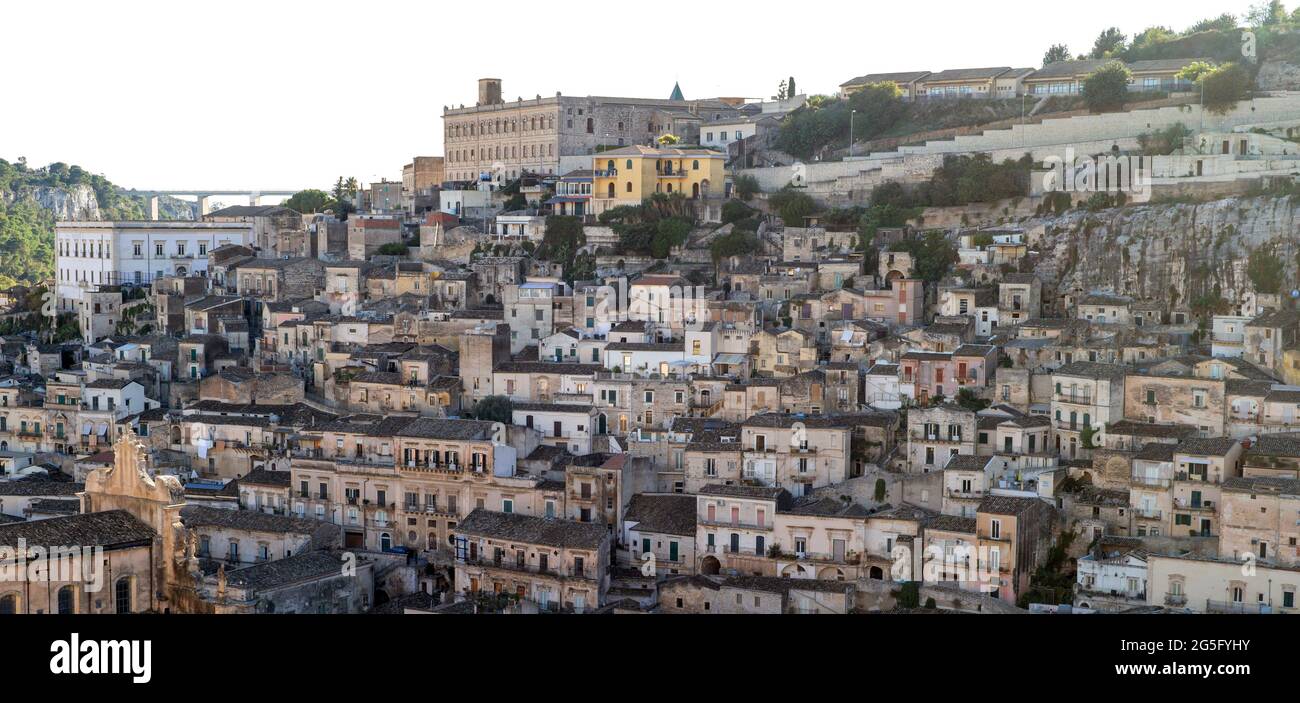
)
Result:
{"points": [[995, 529], [66, 601], [122, 595]]}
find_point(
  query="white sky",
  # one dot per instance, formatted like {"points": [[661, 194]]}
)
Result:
{"points": [[281, 94]]}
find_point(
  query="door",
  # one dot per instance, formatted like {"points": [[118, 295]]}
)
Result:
{"points": [[672, 551], [645, 545], [837, 549], [1205, 527], [557, 429]]}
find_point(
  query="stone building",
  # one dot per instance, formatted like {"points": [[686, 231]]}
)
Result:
{"points": [[546, 565], [505, 139], [937, 433]]}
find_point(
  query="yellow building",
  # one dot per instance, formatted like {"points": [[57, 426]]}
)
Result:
{"points": [[628, 175], [1290, 366]]}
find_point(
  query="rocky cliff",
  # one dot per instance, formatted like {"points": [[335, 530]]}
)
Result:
{"points": [[1177, 253], [79, 202]]}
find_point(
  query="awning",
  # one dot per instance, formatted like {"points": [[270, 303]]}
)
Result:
{"points": [[87, 427], [729, 359]]}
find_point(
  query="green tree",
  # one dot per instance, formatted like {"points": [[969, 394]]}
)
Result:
{"points": [[933, 254], [1057, 52], [1109, 42], [735, 210], [563, 239], [1193, 71], [1225, 86], [495, 408], [310, 201], [790, 91], [881, 490], [669, 233], [1267, 14], [393, 249], [792, 206], [518, 201], [1265, 269], [1086, 435], [908, 595], [967, 399], [737, 243], [1151, 36], [1224, 22], [745, 187], [879, 106], [1107, 87]]}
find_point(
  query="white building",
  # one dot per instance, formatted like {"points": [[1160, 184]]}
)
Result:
{"points": [[1228, 335], [881, 389], [89, 254], [520, 225], [1111, 581], [567, 426]]}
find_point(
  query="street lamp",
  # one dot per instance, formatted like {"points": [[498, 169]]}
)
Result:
{"points": [[851, 114]]}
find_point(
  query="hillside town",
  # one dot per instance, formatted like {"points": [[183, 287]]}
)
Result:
{"points": [[635, 355]]}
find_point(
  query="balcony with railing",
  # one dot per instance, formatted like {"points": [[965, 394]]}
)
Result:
{"points": [[1176, 600], [740, 524], [743, 552], [958, 494], [1199, 505], [586, 574], [939, 437], [847, 559], [1147, 513], [1075, 398], [1155, 481], [1225, 606]]}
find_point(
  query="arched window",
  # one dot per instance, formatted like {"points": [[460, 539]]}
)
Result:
{"points": [[629, 186], [122, 595], [8, 604], [629, 164], [67, 606], [591, 126], [610, 165], [695, 165], [611, 189]]}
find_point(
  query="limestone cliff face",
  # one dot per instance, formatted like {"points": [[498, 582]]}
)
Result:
{"points": [[1171, 252], [79, 202], [1278, 75], [71, 203]]}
